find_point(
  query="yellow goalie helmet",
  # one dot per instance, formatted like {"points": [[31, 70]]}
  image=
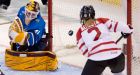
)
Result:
{"points": [[32, 9]]}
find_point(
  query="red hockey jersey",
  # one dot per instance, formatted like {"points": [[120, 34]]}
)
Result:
{"points": [[96, 43]]}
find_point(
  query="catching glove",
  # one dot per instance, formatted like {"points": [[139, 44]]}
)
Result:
{"points": [[17, 33]]}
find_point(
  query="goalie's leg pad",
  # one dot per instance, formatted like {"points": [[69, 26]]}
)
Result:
{"points": [[31, 61]]}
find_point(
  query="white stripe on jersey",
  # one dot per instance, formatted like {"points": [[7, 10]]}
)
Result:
{"points": [[32, 39]]}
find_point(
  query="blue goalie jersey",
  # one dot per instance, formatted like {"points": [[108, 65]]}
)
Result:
{"points": [[36, 28]]}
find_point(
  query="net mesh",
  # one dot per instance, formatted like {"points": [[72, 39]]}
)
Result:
{"points": [[66, 17], [66, 13], [136, 41]]}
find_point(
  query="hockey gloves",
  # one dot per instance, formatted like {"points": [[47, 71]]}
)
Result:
{"points": [[126, 35], [21, 38]]}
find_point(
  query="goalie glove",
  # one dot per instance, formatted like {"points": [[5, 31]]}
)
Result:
{"points": [[17, 25], [16, 32], [21, 38]]}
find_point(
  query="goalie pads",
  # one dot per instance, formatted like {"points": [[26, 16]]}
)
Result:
{"points": [[16, 32], [31, 61]]}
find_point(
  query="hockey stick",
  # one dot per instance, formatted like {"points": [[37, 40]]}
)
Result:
{"points": [[119, 39], [124, 35]]}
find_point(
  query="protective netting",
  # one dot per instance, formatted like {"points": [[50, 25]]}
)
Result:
{"points": [[66, 17], [66, 13], [136, 34]]}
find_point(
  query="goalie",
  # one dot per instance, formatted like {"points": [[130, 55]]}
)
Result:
{"points": [[30, 40], [27, 32]]}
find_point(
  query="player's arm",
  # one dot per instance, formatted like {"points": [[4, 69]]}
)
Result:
{"points": [[81, 44], [116, 26], [35, 36]]}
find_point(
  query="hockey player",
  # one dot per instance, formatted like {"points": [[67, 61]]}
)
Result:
{"points": [[95, 42], [27, 31]]}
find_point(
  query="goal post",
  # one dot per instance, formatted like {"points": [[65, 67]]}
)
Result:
{"points": [[65, 17], [129, 39], [50, 26]]}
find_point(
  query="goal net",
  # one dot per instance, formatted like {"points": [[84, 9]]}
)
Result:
{"points": [[135, 40], [66, 17]]}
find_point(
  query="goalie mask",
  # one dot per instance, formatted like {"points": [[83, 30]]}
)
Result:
{"points": [[87, 12], [32, 9]]}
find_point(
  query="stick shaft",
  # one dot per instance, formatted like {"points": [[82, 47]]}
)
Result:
{"points": [[119, 39]]}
